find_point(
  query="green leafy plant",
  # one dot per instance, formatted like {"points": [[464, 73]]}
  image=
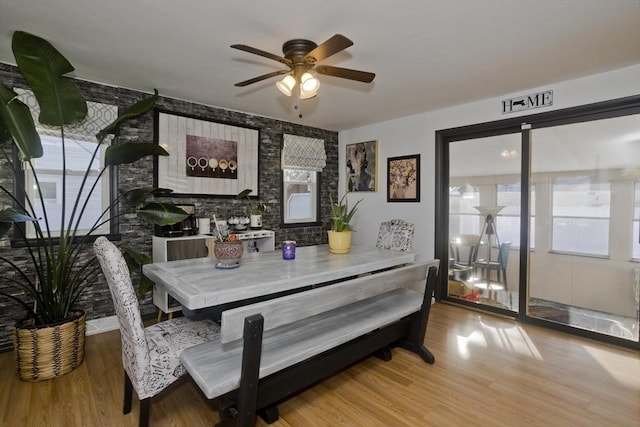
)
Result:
{"points": [[58, 273], [258, 207], [341, 214]]}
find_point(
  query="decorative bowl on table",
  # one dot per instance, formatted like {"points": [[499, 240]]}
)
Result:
{"points": [[228, 254]]}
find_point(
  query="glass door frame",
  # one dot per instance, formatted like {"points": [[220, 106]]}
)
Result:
{"points": [[523, 125]]}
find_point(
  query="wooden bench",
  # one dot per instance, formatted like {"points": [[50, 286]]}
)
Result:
{"points": [[271, 350]]}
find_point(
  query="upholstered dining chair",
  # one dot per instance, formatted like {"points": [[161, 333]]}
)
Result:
{"points": [[396, 234], [464, 249], [499, 265], [149, 355]]}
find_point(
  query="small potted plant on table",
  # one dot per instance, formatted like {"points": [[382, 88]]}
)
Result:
{"points": [[340, 233], [227, 249]]}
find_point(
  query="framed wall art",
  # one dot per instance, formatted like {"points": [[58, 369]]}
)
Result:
{"points": [[206, 158], [362, 166], [403, 178]]}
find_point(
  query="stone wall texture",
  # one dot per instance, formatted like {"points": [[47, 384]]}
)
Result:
{"points": [[96, 300]]}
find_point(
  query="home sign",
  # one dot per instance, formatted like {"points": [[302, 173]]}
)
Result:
{"points": [[528, 102]]}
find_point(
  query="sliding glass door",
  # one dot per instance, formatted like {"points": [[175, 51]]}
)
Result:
{"points": [[539, 218], [484, 220], [583, 271]]}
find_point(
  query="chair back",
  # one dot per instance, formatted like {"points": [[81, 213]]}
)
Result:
{"points": [[464, 249], [503, 254], [396, 234], [135, 350]]}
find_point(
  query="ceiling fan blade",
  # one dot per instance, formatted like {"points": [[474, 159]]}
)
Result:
{"points": [[332, 46], [345, 73], [262, 77], [255, 51]]}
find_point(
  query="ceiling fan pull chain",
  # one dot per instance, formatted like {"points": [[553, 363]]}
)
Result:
{"points": [[298, 105]]}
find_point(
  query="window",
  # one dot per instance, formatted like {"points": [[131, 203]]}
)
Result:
{"points": [[581, 216], [508, 219], [50, 191], [463, 217], [49, 171], [80, 144], [636, 223], [302, 159], [300, 195]]}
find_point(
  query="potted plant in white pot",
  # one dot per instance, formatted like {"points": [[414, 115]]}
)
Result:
{"points": [[340, 233], [258, 208], [57, 272]]}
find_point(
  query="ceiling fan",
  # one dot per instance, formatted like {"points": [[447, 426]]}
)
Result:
{"points": [[302, 56]]}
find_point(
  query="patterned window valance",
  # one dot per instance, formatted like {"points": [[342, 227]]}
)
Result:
{"points": [[299, 152], [98, 117]]}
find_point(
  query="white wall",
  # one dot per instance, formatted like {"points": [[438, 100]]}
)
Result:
{"points": [[416, 134]]}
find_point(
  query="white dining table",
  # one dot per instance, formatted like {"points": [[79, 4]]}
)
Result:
{"points": [[197, 283]]}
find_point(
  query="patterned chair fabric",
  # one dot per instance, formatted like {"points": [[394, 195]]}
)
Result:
{"points": [[396, 234], [149, 355]]}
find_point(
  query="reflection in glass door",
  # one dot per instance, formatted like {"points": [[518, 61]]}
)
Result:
{"points": [[484, 221], [584, 271]]}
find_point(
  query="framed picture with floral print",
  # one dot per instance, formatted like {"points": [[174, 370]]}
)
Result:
{"points": [[403, 178]]}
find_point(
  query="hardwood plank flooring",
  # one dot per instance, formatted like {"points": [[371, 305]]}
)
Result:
{"points": [[489, 371]]}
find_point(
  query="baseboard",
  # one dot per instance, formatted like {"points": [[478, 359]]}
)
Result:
{"points": [[104, 324]]}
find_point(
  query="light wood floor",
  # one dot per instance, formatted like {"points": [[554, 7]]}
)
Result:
{"points": [[489, 371]]}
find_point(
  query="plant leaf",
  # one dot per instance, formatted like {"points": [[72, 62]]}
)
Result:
{"points": [[135, 261], [138, 195], [10, 215], [244, 193], [5, 135], [44, 67], [133, 257], [162, 213], [17, 121], [4, 228], [14, 215], [129, 152], [135, 110]]}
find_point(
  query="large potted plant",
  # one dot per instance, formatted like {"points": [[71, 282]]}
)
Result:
{"points": [[340, 233], [50, 342]]}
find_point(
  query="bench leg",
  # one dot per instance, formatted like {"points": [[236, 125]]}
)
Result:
{"points": [[415, 340], [249, 376], [241, 410], [420, 350], [228, 414], [269, 414], [384, 354]]}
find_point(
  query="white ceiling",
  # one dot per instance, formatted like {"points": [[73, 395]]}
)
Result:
{"points": [[426, 54]]}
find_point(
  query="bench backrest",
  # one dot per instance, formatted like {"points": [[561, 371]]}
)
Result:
{"points": [[291, 308]]}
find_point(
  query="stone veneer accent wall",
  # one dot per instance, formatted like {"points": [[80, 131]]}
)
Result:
{"points": [[96, 300]]}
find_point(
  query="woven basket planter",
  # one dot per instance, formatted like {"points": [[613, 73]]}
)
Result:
{"points": [[49, 351]]}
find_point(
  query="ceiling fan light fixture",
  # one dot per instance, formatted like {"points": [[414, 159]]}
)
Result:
{"points": [[309, 84], [286, 85], [302, 56]]}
